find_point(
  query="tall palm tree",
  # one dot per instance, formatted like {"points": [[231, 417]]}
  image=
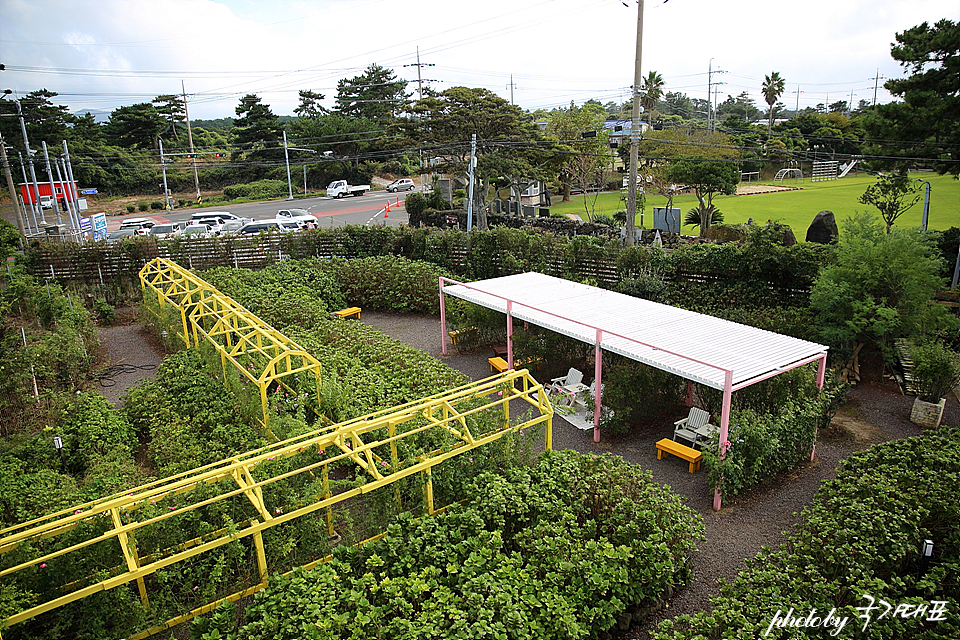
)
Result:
{"points": [[773, 86], [651, 90]]}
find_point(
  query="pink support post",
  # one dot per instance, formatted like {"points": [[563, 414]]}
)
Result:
{"points": [[724, 428], [509, 334], [597, 386], [689, 393], [821, 373], [443, 322]]}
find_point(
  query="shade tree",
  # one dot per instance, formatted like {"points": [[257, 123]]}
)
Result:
{"points": [[924, 123], [443, 122], [773, 86], [893, 195], [258, 131], [135, 126], [581, 143], [376, 94]]}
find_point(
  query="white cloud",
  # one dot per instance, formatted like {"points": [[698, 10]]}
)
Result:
{"points": [[557, 51]]}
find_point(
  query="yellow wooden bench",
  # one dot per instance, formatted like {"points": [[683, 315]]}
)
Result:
{"points": [[500, 364], [692, 456], [497, 364], [349, 312]]}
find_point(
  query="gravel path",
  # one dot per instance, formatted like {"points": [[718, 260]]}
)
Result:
{"points": [[132, 354], [875, 412]]}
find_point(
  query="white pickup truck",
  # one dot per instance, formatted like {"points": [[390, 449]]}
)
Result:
{"points": [[340, 188]]}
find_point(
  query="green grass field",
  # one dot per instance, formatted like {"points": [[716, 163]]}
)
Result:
{"points": [[797, 208]]}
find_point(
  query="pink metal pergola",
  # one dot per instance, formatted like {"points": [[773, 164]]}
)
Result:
{"points": [[714, 352]]}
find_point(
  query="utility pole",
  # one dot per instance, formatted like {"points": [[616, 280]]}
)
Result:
{"points": [[193, 156], [796, 111], [33, 173], [74, 196], [634, 137], [53, 190], [419, 64], [511, 86], [286, 156], [876, 83], [709, 91], [26, 183], [473, 156], [711, 87], [716, 89], [163, 170], [21, 219]]}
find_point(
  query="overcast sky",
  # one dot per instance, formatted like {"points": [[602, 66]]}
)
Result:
{"points": [[102, 54]]}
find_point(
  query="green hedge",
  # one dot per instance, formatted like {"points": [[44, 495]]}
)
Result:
{"points": [[863, 535], [560, 550], [704, 277], [259, 190], [774, 429]]}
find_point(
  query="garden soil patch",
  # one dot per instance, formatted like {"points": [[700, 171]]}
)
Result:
{"points": [[875, 412]]}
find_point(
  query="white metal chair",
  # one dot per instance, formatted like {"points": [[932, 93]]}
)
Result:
{"points": [[694, 428], [570, 383]]}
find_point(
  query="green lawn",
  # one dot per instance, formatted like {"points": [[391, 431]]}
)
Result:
{"points": [[798, 208]]}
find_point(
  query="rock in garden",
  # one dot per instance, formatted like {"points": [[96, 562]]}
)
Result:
{"points": [[823, 229]]}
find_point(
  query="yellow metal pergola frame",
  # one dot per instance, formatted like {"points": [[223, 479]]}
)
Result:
{"points": [[232, 330], [449, 411]]}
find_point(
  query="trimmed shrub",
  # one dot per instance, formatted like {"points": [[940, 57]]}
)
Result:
{"points": [[770, 434], [259, 190], [560, 550], [863, 536]]}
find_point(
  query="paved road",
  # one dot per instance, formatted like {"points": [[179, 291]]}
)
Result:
{"points": [[365, 209]]}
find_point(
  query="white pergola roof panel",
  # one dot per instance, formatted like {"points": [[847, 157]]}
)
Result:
{"points": [[691, 345]]}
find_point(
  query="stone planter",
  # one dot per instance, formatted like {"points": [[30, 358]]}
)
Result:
{"points": [[927, 414]]}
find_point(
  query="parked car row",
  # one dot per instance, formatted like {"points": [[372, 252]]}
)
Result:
{"points": [[216, 223]]}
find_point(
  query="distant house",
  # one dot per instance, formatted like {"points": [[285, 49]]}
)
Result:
{"points": [[619, 131]]}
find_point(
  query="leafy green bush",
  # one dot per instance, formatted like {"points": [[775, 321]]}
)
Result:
{"points": [[131, 208], [936, 370], [862, 536], [188, 417], [142, 206], [559, 550], [635, 393], [390, 283], [415, 204], [156, 205], [879, 289], [10, 240], [259, 190], [761, 444]]}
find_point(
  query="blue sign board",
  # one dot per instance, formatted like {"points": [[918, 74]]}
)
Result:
{"points": [[88, 192], [85, 224], [99, 226]]}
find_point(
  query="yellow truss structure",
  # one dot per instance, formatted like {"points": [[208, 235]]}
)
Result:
{"points": [[371, 442], [233, 331]]}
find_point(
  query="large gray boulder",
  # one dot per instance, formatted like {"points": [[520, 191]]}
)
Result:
{"points": [[823, 229]]}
